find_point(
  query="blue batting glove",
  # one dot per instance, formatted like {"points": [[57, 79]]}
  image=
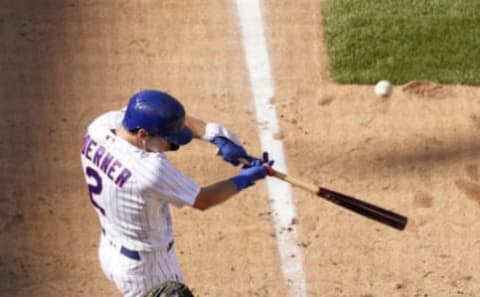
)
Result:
{"points": [[230, 151], [257, 170]]}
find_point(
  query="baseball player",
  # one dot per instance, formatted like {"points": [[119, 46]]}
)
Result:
{"points": [[131, 184]]}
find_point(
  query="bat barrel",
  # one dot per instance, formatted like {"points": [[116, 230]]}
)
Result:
{"points": [[366, 209]]}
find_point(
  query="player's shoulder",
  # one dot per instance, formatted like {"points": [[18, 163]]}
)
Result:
{"points": [[105, 123], [110, 120], [155, 163], [154, 160]]}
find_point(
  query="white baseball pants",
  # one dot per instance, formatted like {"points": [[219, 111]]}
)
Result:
{"points": [[134, 273]]}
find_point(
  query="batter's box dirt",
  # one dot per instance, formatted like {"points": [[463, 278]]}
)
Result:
{"points": [[426, 89], [472, 190]]}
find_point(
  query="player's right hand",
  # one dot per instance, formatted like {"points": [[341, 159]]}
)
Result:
{"points": [[229, 150], [257, 170]]}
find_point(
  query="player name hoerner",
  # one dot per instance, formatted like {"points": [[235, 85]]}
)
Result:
{"points": [[105, 161]]}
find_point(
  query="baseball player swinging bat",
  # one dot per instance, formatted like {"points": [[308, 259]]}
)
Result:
{"points": [[358, 206]]}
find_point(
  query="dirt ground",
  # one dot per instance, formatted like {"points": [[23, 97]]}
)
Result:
{"points": [[66, 61]]}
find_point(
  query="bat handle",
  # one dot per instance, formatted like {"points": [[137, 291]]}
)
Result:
{"points": [[294, 181], [297, 182]]}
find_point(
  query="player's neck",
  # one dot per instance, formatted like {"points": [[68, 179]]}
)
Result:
{"points": [[129, 137], [153, 144]]}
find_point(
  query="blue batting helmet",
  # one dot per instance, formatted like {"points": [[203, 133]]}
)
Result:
{"points": [[159, 114]]}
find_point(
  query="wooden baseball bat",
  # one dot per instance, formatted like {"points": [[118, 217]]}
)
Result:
{"points": [[356, 205]]}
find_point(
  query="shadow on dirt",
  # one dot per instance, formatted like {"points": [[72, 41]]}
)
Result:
{"points": [[430, 153], [28, 32]]}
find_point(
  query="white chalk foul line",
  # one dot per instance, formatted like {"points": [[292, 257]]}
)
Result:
{"points": [[280, 193]]}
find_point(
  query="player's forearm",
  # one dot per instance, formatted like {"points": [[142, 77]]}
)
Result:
{"points": [[215, 194], [197, 126]]}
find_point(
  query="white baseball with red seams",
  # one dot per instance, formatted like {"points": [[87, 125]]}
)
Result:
{"points": [[130, 190]]}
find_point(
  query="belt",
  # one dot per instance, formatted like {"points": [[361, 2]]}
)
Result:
{"points": [[135, 255]]}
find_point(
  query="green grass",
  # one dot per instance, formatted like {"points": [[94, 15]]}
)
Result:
{"points": [[403, 40]]}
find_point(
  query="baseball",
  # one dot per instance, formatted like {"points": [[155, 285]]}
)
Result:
{"points": [[384, 88]]}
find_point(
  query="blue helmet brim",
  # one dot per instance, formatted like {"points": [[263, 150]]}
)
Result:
{"points": [[182, 137]]}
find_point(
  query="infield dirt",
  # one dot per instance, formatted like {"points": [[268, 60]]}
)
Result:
{"points": [[416, 152]]}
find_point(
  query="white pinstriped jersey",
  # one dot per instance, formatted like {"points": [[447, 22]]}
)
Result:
{"points": [[131, 188]]}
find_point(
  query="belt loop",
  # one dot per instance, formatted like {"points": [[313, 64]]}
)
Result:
{"points": [[134, 255], [170, 245]]}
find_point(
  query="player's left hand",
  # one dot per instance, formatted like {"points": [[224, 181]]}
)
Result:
{"points": [[250, 161], [258, 169], [230, 151]]}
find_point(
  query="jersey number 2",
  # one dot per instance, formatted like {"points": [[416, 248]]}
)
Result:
{"points": [[95, 188]]}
